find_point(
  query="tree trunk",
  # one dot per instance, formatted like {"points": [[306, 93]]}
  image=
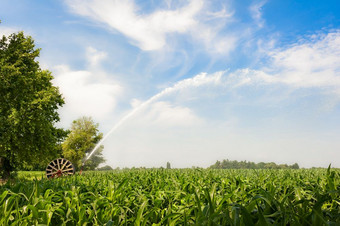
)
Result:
{"points": [[5, 168]]}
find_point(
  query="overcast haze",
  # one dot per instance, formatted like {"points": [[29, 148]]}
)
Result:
{"points": [[239, 80]]}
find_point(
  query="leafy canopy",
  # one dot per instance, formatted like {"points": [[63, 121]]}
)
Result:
{"points": [[82, 139], [28, 105]]}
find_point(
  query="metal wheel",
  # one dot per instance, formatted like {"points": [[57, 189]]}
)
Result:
{"points": [[59, 167]]}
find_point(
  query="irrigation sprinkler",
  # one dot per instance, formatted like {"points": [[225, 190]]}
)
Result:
{"points": [[59, 167]]}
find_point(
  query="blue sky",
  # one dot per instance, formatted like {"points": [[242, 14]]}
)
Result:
{"points": [[239, 80]]}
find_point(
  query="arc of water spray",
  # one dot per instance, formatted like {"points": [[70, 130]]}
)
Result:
{"points": [[198, 80]]}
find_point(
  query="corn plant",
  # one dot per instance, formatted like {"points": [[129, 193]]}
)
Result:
{"points": [[175, 197]]}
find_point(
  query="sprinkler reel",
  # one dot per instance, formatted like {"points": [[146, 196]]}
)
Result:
{"points": [[59, 167]]}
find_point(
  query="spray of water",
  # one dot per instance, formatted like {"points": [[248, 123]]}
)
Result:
{"points": [[196, 81]]}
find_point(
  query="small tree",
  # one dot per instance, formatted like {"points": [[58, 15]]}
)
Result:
{"points": [[295, 166], [105, 168], [28, 106], [82, 139]]}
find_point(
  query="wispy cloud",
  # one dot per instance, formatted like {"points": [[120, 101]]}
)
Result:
{"points": [[152, 31], [165, 114], [256, 12], [312, 63], [148, 32], [94, 56]]}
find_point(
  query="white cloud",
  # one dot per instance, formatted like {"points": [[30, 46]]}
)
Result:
{"points": [[224, 45], [256, 12], [146, 31], [310, 64], [86, 93], [164, 114], [94, 56], [223, 13], [150, 31]]}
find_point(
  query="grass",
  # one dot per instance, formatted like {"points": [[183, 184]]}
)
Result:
{"points": [[175, 197], [31, 175]]}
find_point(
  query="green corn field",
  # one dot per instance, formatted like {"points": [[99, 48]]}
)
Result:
{"points": [[174, 197]]}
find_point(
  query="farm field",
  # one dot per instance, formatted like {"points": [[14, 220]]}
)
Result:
{"points": [[174, 197]]}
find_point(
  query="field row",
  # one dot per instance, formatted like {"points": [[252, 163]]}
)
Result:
{"points": [[176, 197]]}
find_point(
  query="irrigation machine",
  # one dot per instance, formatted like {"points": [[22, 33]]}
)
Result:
{"points": [[59, 167]]}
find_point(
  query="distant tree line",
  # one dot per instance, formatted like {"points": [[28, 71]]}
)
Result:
{"points": [[228, 164]]}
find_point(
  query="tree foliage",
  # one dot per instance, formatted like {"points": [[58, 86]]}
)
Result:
{"points": [[105, 168], [228, 164], [28, 105], [83, 136]]}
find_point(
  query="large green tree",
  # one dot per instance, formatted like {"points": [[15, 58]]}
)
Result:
{"points": [[28, 106], [83, 137]]}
